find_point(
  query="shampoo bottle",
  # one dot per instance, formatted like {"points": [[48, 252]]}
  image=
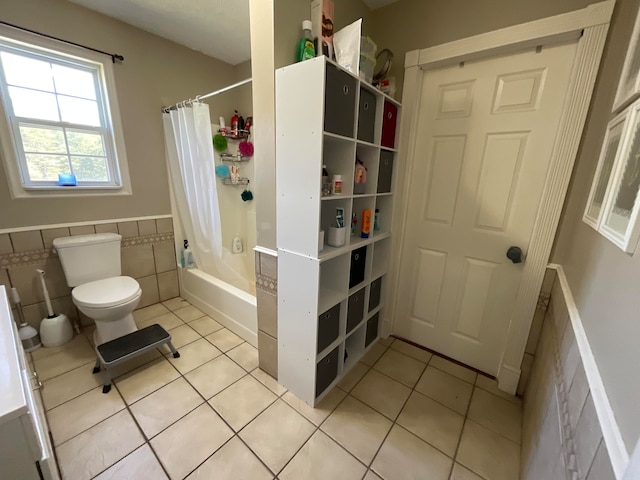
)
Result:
{"points": [[236, 246], [187, 256], [306, 49]]}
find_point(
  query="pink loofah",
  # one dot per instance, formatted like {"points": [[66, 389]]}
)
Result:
{"points": [[246, 148]]}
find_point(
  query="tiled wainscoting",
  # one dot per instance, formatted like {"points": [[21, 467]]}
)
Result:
{"points": [[148, 255], [561, 434], [267, 303]]}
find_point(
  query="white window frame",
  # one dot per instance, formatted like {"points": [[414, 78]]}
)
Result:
{"points": [[113, 136]]}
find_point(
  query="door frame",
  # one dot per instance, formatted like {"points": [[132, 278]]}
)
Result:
{"points": [[590, 26]]}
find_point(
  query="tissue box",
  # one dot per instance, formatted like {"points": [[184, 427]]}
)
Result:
{"points": [[322, 26]]}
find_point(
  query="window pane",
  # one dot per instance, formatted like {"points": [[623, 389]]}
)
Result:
{"points": [[70, 81], [82, 143], [605, 173], [90, 169], [43, 140], [27, 72], [81, 112], [46, 167], [34, 104], [626, 195]]}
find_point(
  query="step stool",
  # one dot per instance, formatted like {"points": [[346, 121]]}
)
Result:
{"points": [[129, 346]]}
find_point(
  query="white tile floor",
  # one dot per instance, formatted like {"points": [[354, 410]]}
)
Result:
{"points": [[401, 413]]}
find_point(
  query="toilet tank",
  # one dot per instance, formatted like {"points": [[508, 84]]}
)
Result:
{"points": [[86, 258]]}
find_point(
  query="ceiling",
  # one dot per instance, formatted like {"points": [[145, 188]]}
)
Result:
{"points": [[218, 28], [373, 4]]}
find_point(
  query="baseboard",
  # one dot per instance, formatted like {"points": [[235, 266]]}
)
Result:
{"points": [[508, 378]]}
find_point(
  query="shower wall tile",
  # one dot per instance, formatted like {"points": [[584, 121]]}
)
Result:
{"points": [[107, 228], [128, 229], [268, 266], [50, 234], [267, 313], [268, 354], [147, 227], [150, 294], [138, 262], [82, 230], [165, 256], [26, 241], [5, 244], [168, 286], [4, 279], [158, 276], [164, 225], [559, 415]]}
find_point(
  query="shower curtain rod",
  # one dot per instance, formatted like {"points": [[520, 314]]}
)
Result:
{"points": [[208, 95]]}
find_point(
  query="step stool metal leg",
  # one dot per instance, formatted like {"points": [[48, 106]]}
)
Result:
{"points": [[96, 367], [175, 353], [106, 386]]}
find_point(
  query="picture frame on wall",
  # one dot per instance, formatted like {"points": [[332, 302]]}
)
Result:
{"points": [[613, 207], [629, 85]]}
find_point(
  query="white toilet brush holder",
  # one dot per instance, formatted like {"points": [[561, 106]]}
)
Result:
{"points": [[55, 329]]}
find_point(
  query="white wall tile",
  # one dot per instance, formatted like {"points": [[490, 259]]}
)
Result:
{"points": [[588, 435]]}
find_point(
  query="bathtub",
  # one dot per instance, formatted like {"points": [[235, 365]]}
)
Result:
{"points": [[230, 306]]}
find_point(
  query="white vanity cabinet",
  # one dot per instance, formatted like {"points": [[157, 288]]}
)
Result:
{"points": [[25, 448]]}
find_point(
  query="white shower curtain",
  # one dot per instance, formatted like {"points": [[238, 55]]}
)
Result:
{"points": [[192, 171]]}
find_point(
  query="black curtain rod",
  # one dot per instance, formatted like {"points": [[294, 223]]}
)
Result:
{"points": [[114, 56]]}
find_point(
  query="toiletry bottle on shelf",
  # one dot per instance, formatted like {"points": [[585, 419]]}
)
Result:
{"points": [[354, 224], [234, 123], [236, 246], [337, 185], [326, 184], [187, 256], [376, 225], [306, 49], [366, 223]]}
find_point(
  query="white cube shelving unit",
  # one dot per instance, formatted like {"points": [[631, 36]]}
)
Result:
{"points": [[330, 300]]}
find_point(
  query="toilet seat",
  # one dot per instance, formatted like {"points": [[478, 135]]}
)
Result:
{"points": [[105, 293]]}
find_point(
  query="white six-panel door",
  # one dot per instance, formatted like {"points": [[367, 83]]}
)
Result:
{"points": [[485, 135]]}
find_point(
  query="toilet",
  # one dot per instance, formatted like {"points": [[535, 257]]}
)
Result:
{"points": [[91, 265]]}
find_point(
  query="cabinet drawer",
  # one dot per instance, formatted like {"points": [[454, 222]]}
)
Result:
{"points": [[366, 115], [356, 272], [328, 327], [372, 330], [340, 102], [389, 125], [355, 309], [374, 293], [385, 172], [326, 371]]}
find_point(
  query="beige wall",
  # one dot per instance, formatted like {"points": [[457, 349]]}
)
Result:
{"points": [[414, 24], [289, 15], [603, 279], [155, 72]]}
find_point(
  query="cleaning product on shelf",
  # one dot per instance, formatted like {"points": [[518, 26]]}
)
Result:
{"points": [[322, 28], [306, 50], [336, 187], [223, 126], [366, 223], [55, 329], [376, 224], [28, 335], [354, 224], [187, 256]]}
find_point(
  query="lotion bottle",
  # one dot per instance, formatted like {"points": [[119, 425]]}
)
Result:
{"points": [[187, 256], [236, 246]]}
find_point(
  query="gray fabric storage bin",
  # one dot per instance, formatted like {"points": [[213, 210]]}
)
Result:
{"points": [[366, 115], [340, 102], [326, 371], [328, 327], [355, 309]]}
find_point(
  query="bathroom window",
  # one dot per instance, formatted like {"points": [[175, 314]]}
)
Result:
{"points": [[61, 118]]}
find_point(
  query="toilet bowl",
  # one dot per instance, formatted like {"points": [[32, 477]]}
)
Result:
{"points": [[109, 302]]}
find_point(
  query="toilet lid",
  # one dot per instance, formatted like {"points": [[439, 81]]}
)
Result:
{"points": [[108, 292]]}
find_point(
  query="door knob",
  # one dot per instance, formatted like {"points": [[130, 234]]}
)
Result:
{"points": [[515, 254]]}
